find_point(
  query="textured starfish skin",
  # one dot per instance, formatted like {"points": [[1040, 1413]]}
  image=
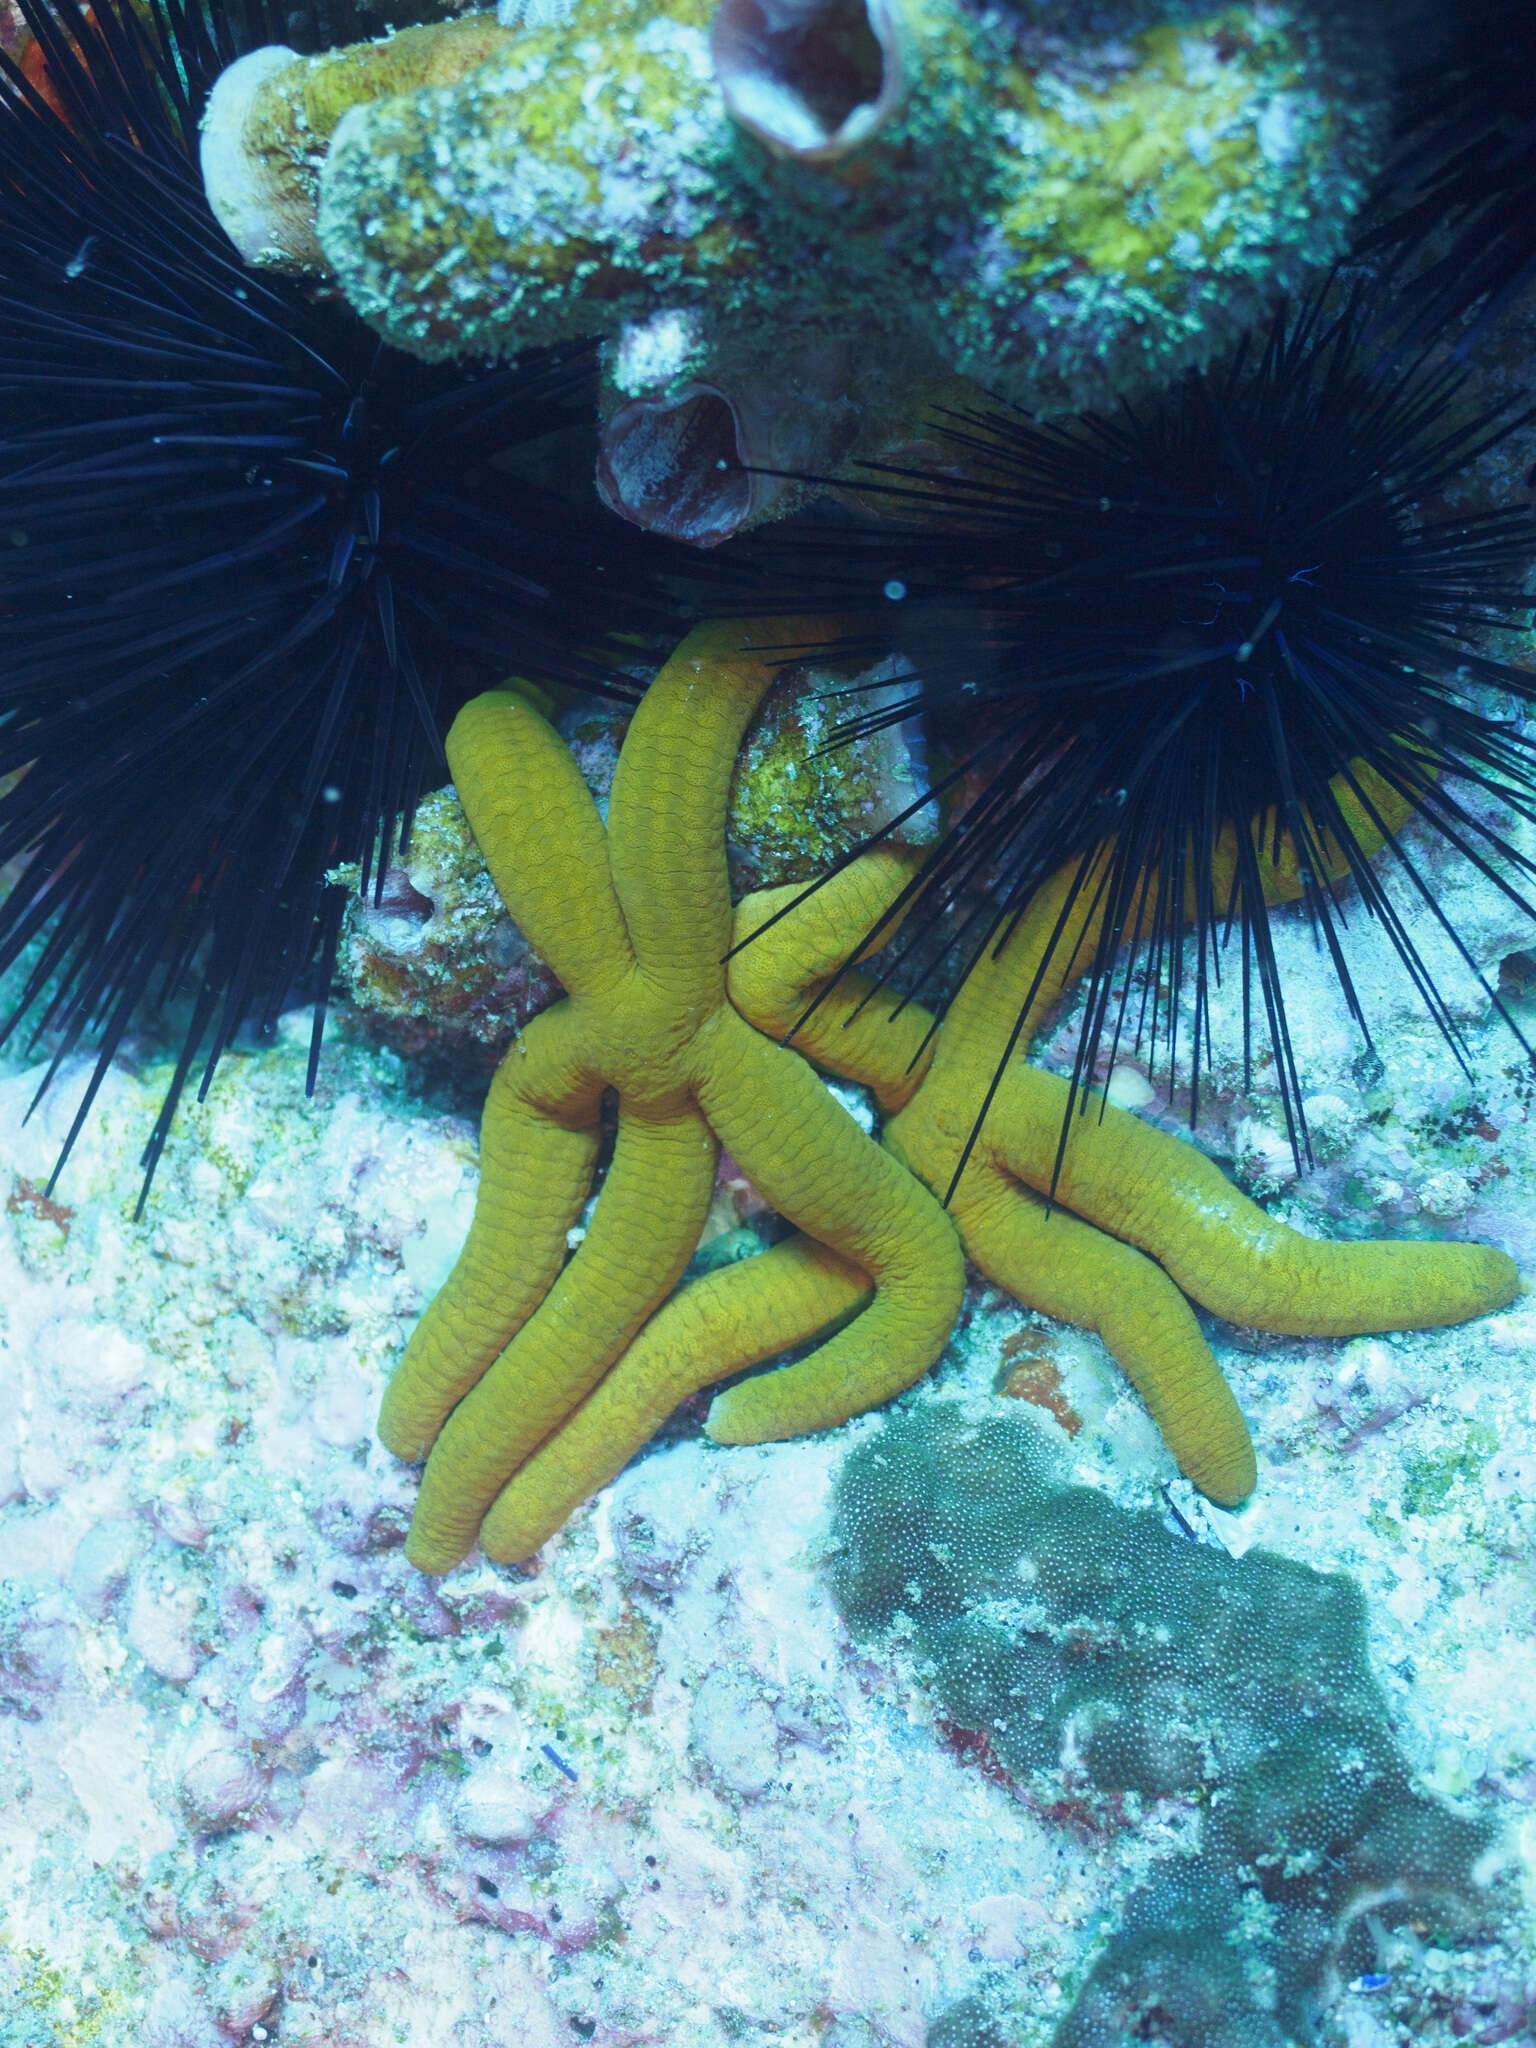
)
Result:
{"points": [[1140, 1219], [738, 1316], [1145, 1220], [635, 922]]}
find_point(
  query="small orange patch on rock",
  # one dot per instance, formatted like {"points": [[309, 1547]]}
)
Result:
{"points": [[1031, 1374], [624, 1660], [26, 1194]]}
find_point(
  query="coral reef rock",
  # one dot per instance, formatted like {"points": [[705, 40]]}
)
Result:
{"points": [[752, 202]]}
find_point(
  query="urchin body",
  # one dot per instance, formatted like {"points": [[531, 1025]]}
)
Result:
{"points": [[251, 552], [1158, 639]]}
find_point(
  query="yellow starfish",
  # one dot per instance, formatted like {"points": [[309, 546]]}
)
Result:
{"points": [[1140, 1218], [636, 923]]}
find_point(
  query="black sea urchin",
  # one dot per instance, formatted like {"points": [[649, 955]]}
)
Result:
{"points": [[1139, 632], [246, 554]]}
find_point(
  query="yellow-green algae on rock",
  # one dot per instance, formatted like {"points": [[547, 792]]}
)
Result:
{"points": [[798, 230], [1057, 205]]}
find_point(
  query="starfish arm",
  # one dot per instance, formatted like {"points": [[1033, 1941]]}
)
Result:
{"points": [[539, 1136], [783, 965], [1147, 1190], [1062, 1266], [1158, 1192], [1024, 973], [711, 1328], [641, 1237], [1025, 970], [666, 815], [808, 1159], [542, 838], [1153, 1190]]}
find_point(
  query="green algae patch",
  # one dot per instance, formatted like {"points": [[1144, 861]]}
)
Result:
{"points": [[1430, 1478]]}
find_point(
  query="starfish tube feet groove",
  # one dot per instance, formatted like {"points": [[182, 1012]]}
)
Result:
{"points": [[635, 921], [730, 1320], [1146, 1192]]}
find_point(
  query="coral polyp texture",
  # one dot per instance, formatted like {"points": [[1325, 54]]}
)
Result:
{"points": [[1059, 208], [1104, 1660]]}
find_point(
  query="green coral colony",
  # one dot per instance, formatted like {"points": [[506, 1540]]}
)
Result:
{"points": [[1103, 1663]]}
